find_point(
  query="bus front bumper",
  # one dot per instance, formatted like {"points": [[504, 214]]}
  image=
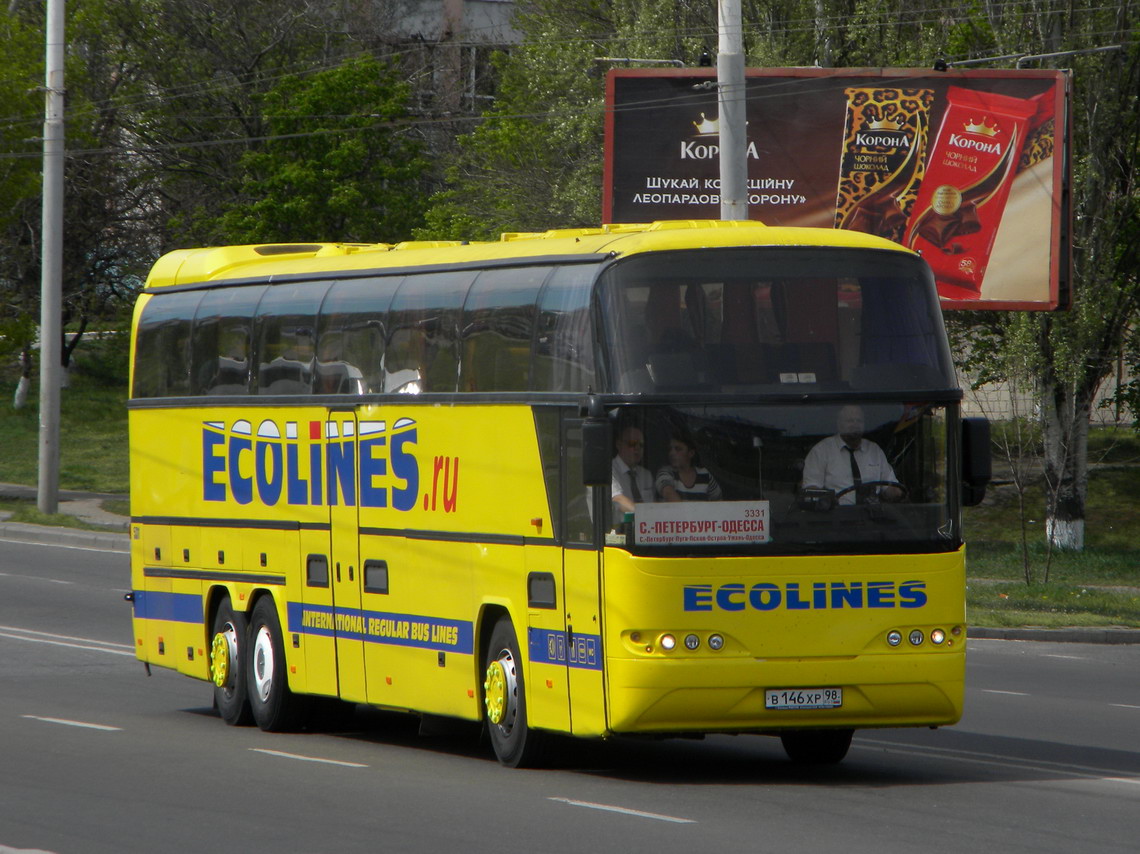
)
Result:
{"points": [[880, 690]]}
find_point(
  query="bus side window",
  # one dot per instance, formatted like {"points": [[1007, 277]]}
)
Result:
{"points": [[564, 337], [221, 341], [162, 352], [422, 351], [497, 329], [351, 331], [577, 504], [286, 337]]}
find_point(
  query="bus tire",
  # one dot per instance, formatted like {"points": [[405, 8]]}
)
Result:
{"points": [[227, 665], [504, 701], [817, 747], [275, 708]]}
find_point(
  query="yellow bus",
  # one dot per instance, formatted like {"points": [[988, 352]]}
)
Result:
{"points": [[397, 475]]}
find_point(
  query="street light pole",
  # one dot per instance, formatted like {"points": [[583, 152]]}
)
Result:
{"points": [[51, 270], [731, 103]]}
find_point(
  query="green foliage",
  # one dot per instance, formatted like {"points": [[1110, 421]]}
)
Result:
{"points": [[536, 159], [337, 165]]}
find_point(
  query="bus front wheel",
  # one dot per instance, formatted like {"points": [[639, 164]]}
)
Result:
{"points": [[227, 651], [504, 701], [275, 708], [817, 747]]}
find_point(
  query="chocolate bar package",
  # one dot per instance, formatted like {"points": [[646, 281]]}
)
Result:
{"points": [[968, 177], [882, 164]]}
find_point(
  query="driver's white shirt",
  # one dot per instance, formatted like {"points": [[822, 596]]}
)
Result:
{"points": [[828, 466]]}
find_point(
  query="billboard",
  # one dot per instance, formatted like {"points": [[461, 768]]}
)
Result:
{"points": [[967, 167]]}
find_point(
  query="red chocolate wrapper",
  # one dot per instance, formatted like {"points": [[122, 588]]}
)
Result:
{"points": [[968, 177]]}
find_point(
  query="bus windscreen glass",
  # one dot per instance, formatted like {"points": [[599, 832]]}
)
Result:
{"points": [[866, 476], [774, 320]]}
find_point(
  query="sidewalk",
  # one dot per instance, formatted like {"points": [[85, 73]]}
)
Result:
{"points": [[86, 507]]}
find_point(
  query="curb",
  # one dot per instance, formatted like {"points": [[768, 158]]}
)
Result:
{"points": [[1065, 635], [54, 536]]}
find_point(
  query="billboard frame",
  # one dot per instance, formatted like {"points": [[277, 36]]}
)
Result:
{"points": [[703, 80]]}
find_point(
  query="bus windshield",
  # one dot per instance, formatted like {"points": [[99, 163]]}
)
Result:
{"points": [[865, 476], [763, 319]]}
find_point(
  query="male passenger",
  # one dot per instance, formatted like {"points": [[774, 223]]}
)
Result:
{"points": [[632, 482], [847, 460]]}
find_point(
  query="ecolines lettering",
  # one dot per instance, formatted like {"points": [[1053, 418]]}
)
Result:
{"points": [[823, 595], [325, 469]]}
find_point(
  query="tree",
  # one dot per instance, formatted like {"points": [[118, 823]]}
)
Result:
{"points": [[105, 232], [337, 163], [1077, 349]]}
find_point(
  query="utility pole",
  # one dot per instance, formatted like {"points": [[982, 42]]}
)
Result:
{"points": [[51, 260], [731, 103]]}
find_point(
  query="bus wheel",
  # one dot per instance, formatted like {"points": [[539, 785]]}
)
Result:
{"points": [[226, 650], [817, 747], [275, 708], [504, 701]]}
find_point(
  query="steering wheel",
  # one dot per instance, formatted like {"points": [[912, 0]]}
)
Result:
{"points": [[866, 489]]}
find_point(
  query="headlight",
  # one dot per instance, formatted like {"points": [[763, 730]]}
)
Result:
{"points": [[894, 637], [917, 637]]}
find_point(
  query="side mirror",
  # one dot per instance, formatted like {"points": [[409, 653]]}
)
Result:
{"points": [[977, 468], [597, 451]]}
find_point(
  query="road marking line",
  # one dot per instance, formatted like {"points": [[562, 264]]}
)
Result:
{"points": [[64, 637], [1067, 657], [34, 577], [65, 722], [85, 643], [307, 758], [104, 549], [623, 811], [1007, 693], [1042, 766], [1123, 706]]}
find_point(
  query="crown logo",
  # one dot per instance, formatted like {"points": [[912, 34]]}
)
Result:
{"points": [[981, 128], [707, 127], [883, 124]]}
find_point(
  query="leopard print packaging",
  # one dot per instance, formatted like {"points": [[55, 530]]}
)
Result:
{"points": [[881, 168]]}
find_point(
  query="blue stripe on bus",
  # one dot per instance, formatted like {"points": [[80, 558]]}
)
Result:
{"points": [[172, 607], [573, 650], [411, 630]]}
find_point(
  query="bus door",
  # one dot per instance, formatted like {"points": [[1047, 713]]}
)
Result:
{"points": [[342, 492], [583, 510]]}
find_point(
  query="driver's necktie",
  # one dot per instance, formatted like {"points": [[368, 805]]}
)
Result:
{"points": [[634, 490], [856, 479]]}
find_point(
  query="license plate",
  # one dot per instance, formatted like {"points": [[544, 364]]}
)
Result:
{"points": [[803, 698]]}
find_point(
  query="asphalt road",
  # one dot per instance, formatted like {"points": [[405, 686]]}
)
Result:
{"points": [[97, 757]]}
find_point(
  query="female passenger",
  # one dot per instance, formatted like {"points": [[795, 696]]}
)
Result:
{"points": [[682, 479]]}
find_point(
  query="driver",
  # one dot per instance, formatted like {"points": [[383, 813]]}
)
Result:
{"points": [[847, 460]]}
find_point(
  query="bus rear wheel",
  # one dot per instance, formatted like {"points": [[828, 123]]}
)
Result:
{"points": [[504, 701], [227, 651], [275, 708], [817, 747]]}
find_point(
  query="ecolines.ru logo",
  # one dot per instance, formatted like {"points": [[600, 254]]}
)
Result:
{"points": [[765, 596], [330, 466]]}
